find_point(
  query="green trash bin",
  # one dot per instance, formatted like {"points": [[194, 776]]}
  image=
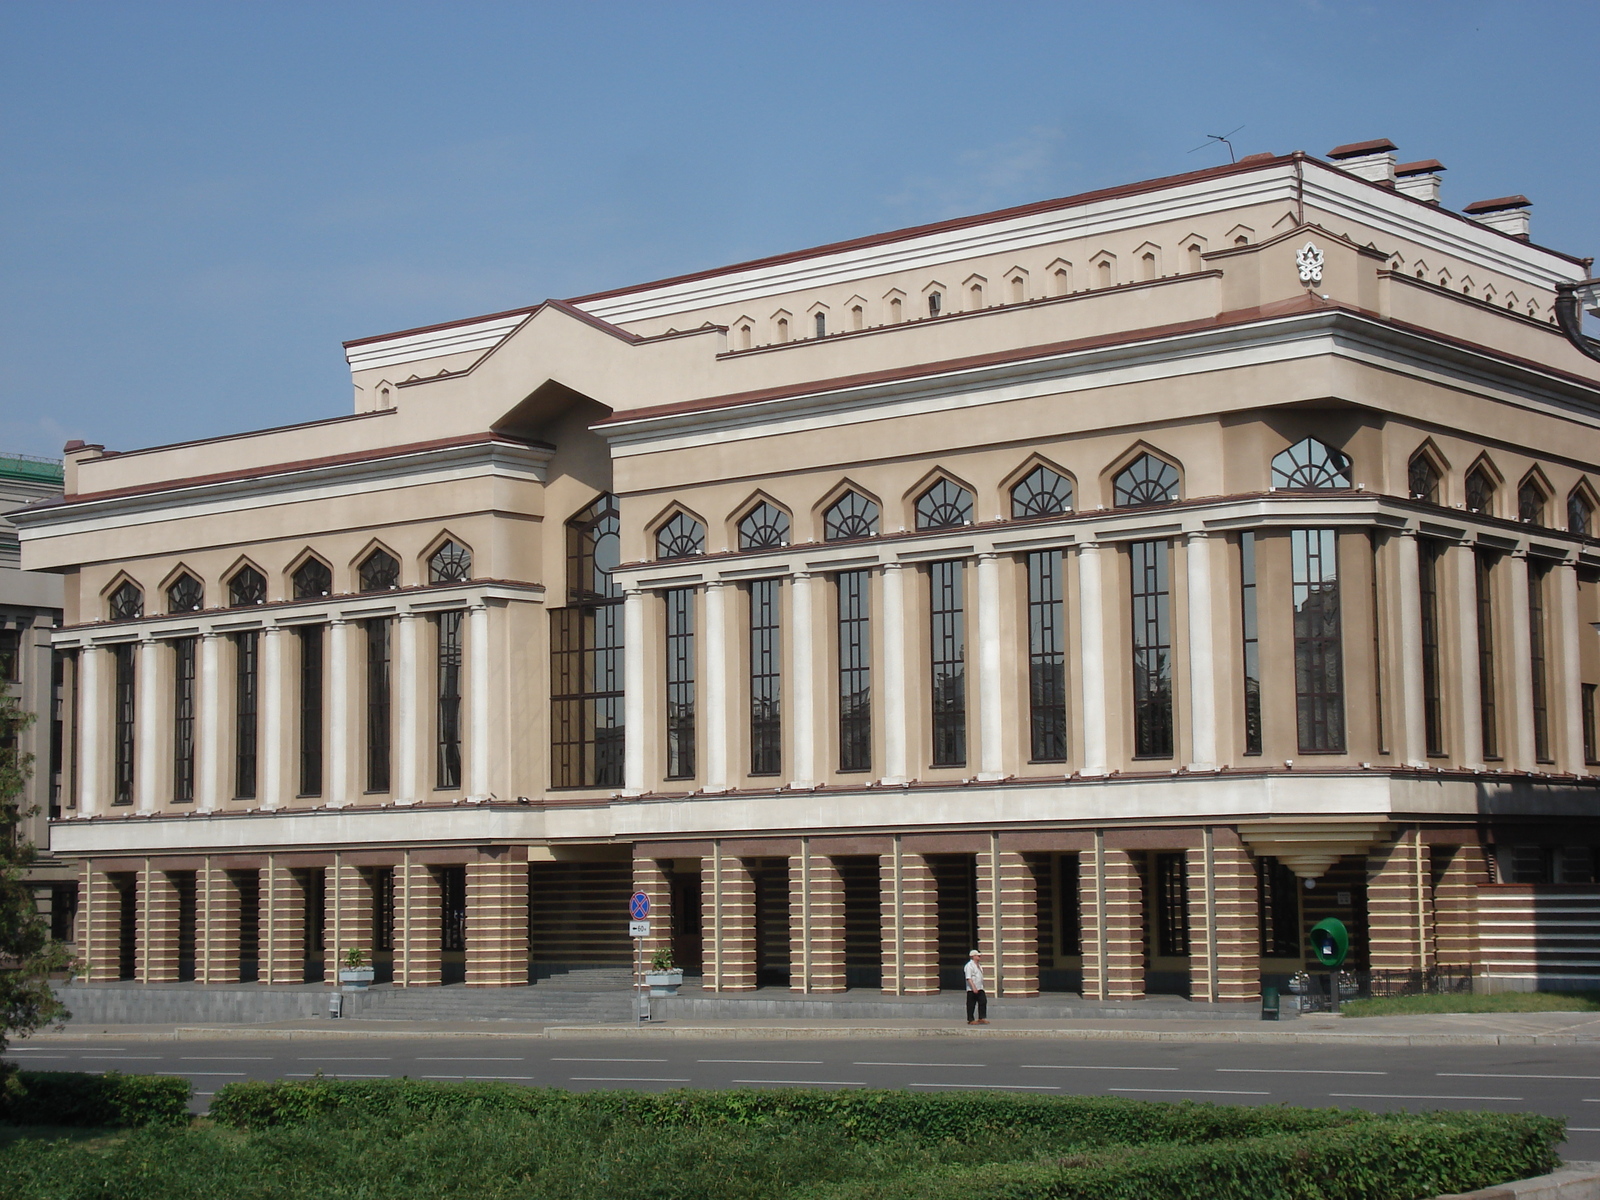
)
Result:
{"points": [[1269, 1004]]}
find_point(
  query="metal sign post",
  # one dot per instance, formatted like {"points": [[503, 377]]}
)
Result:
{"points": [[638, 930]]}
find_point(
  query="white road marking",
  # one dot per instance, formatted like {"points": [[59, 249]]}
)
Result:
{"points": [[346, 1058], [226, 1058], [1583, 1129], [1190, 1091], [1498, 1075], [621, 1079], [485, 1059], [991, 1087], [339, 1075], [1407, 1096], [769, 1062], [1291, 1071], [808, 1082], [497, 1078], [1076, 1067], [608, 1060], [906, 1064], [206, 1074]]}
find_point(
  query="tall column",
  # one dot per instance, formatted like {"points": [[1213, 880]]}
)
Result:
{"points": [[147, 720], [156, 950], [1092, 658], [1520, 664], [352, 912], [1224, 937], [636, 681], [1400, 905], [1455, 906], [478, 697], [272, 724], [282, 925], [418, 924], [99, 934], [1567, 703], [1412, 720], [715, 692], [1112, 904], [1467, 686], [337, 785], [896, 676], [1008, 920], [216, 935], [910, 916], [91, 736], [406, 742], [497, 923], [1202, 655], [728, 918], [816, 923], [991, 687], [805, 771], [651, 877], [207, 750]]}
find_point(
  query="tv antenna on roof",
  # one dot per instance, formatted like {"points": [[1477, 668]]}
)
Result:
{"points": [[1212, 138]]}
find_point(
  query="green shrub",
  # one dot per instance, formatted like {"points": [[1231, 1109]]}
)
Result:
{"points": [[79, 1098]]}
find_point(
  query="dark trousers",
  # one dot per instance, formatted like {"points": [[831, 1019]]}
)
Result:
{"points": [[978, 1002]]}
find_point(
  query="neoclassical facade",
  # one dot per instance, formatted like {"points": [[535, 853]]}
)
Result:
{"points": [[1118, 584]]}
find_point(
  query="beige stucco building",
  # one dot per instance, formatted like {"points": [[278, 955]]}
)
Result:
{"points": [[1118, 584]]}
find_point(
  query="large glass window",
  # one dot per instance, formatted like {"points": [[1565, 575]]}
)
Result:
{"points": [[1483, 564], [246, 684], [1251, 634], [766, 679], [310, 638], [1278, 909], [1422, 479], [1318, 650], [1530, 503], [1580, 514], [447, 717], [855, 670], [1310, 464], [312, 579], [185, 595], [586, 701], [943, 506], [1041, 493], [1152, 650], [123, 725], [450, 563], [850, 516], [127, 603], [1537, 574], [680, 682], [1172, 899], [247, 587], [948, 661], [1146, 480], [183, 701], [1480, 491], [379, 572], [378, 699], [1429, 554], [1047, 674]]}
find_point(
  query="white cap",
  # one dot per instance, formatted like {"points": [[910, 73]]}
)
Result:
{"points": [[974, 954]]}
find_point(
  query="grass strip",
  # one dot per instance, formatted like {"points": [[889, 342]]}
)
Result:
{"points": [[1502, 1002]]}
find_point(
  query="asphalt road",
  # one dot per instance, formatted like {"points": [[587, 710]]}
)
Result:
{"points": [[1559, 1080]]}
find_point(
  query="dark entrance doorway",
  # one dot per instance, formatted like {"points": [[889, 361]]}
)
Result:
{"points": [[184, 883], [686, 917], [863, 922], [771, 878], [955, 877], [127, 886]]}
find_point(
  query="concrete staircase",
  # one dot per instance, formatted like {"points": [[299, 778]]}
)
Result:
{"points": [[576, 998]]}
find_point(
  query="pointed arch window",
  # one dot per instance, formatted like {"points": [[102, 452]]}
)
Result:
{"points": [[247, 587], [450, 563], [1310, 464], [312, 579], [1422, 479], [764, 527], [127, 603], [852, 515], [1146, 480], [379, 572], [821, 322], [681, 537], [1480, 491], [586, 648], [1041, 493], [944, 506], [935, 302], [185, 595], [1580, 514], [1530, 503]]}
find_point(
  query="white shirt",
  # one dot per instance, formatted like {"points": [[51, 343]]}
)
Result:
{"points": [[974, 974]]}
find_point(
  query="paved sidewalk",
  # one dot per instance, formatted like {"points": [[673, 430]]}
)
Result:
{"points": [[1475, 1029]]}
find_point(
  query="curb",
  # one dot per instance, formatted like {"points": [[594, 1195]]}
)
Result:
{"points": [[1574, 1181]]}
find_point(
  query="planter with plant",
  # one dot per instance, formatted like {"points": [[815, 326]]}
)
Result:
{"points": [[664, 975], [355, 974]]}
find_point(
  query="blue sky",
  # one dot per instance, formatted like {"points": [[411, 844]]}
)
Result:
{"points": [[199, 202]]}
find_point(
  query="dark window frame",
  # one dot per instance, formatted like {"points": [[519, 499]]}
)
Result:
{"points": [[1488, 700], [764, 597], [1429, 554], [1047, 677], [853, 590], [1250, 642], [1538, 664], [184, 683], [447, 700], [124, 722], [947, 675], [311, 640], [587, 730], [1318, 641], [380, 697], [1151, 649], [246, 713], [851, 516], [680, 674]]}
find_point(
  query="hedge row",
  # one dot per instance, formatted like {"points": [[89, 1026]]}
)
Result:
{"points": [[1399, 1157], [78, 1098]]}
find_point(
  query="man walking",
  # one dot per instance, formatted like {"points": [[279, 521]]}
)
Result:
{"points": [[977, 998]]}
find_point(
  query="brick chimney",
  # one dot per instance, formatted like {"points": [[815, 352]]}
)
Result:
{"points": [[1372, 160], [1508, 214], [1419, 179]]}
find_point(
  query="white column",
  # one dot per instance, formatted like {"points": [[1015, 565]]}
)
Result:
{"points": [[147, 759], [1092, 658], [91, 736], [896, 679], [207, 752], [1202, 656], [336, 787], [803, 770], [1471, 750], [635, 679], [1568, 702], [1412, 718], [404, 743], [991, 689], [272, 695], [478, 699], [1520, 664]]}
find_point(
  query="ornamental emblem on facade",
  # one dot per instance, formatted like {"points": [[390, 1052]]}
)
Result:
{"points": [[1310, 261]]}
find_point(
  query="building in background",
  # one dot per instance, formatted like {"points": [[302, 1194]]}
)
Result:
{"points": [[1118, 584], [30, 612]]}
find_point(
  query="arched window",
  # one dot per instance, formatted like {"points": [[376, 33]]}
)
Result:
{"points": [[1146, 480], [1423, 479], [852, 515], [935, 302], [944, 505], [312, 579], [1042, 493], [1063, 281], [1310, 464], [127, 603], [450, 563], [1480, 491], [587, 730], [185, 594], [680, 537], [1580, 513], [1530, 503], [248, 586], [822, 324], [594, 548], [379, 572], [764, 528]]}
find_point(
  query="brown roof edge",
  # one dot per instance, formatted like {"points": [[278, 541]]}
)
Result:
{"points": [[384, 337], [1357, 149], [1425, 166], [1498, 204], [233, 437]]}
